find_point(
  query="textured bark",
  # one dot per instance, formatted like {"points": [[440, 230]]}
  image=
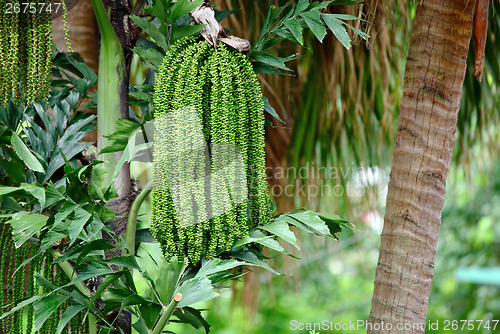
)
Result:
{"points": [[480, 32], [432, 91]]}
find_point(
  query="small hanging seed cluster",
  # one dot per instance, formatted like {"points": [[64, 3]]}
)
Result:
{"points": [[223, 88], [21, 284], [25, 50]]}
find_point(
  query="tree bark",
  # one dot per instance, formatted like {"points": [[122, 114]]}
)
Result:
{"points": [[432, 90]]}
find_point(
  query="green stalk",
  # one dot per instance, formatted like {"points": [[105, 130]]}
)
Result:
{"points": [[167, 313], [112, 72], [70, 272], [132, 217]]}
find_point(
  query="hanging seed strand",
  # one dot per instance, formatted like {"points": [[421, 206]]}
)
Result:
{"points": [[65, 20]]}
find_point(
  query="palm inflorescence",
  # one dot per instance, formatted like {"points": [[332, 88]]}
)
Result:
{"points": [[25, 50], [223, 89]]}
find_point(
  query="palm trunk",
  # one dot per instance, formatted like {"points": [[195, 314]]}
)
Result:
{"points": [[432, 91]]}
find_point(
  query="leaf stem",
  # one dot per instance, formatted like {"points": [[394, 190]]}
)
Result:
{"points": [[167, 313], [132, 217]]}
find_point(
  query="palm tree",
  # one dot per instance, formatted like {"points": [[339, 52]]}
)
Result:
{"points": [[434, 76]]}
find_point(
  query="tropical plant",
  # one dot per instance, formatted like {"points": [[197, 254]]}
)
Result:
{"points": [[72, 213], [66, 215], [34, 150]]}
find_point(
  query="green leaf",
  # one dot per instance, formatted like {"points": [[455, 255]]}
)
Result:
{"points": [[92, 270], [14, 169], [12, 191], [269, 60], [130, 151], [347, 17], [159, 10], [108, 280], [150, 55], [338, 29], [253, 259], [196, 290], [301, 6], [37, 191], [167, 278], [268, 23], [55, 234], [25, 225], [140, 326], [150, 314], [262, 68], [120, 298], [312, 220], [43, 282], [120, 138], [320, 5], [84, 69], [333, 222], [45, 307], [214, 266], [67, 208], [141, 96], [151, 30], [282, 230], [67, 316], [52, 195], [22, 304], [361, 33], [296, 29], [179, 32], [9, 204], [287, 35], [76, 226], [25, 154], [181, 8], [82, 250], [70, 145], [259, 237], [270, 109], [189, 315], [313, 21], [128, 262]]}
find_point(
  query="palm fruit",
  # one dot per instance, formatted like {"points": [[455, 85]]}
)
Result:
{"points": [[25, 50], [223, 89]]}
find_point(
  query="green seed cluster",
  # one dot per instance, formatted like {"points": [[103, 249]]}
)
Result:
{"points": [[25, 51], [16, 285], [223, 88], [21, 284]]}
